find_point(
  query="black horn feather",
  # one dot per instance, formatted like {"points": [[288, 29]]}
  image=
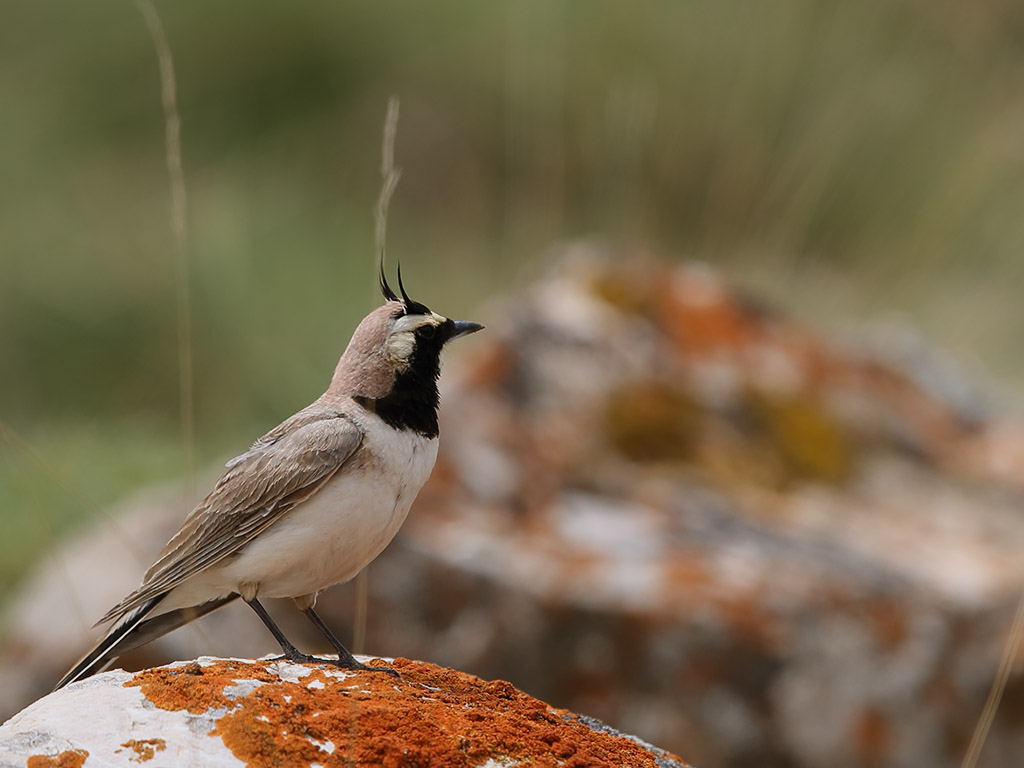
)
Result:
{"points": [[412, 307], [385, 289], [401, 287]]}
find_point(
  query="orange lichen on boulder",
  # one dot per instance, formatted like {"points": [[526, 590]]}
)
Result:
{"points": [[431, 716], [72, 758], [651, 421], [144, 749]]}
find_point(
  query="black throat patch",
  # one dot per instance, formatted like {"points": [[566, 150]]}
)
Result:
{"points": [[413, 402]]}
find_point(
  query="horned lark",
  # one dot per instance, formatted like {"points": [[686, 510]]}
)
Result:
{"points": [[313, 501]]}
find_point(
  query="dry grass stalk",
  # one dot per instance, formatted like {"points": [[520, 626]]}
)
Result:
{"points": [[179, 223]]}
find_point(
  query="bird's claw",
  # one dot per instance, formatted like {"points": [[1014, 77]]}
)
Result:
{"points": [[355, 664], [349, 663]]}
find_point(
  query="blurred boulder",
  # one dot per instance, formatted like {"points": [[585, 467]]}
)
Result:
{"points": [[664, 504]]}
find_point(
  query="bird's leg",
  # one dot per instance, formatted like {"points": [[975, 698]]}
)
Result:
{"points": [[291, 653], [345, 659]]}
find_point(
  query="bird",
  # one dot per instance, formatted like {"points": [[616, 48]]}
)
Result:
{"points": [[313, 501]]}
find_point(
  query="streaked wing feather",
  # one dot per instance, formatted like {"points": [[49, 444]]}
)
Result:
{"points": [[306, 416], [256, 491]]}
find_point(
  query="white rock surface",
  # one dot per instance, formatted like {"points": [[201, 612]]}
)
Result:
{"points": [[103, 717]]}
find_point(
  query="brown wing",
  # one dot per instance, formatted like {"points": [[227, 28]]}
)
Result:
{"points": [[259, 487], [308, 415]]}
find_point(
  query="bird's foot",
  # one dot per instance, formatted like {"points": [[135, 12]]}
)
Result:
{"points": [[300, 658], [350, 662], [353, 663]]}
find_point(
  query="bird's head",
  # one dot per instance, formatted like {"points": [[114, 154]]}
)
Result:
{"points": [[415, 335], [394, 357]]}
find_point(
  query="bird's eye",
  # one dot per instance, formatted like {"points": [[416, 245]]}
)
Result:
{"points": [[427, 331]]}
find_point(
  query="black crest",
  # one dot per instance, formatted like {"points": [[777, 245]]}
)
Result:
{"points": [[411, 307]]}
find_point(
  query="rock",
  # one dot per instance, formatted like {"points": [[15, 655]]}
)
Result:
{"points": [[47, 626], [662, 504], [231, 712]]}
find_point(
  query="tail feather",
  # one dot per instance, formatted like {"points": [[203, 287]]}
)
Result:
{"points": [[102, 653], [136, 630], [160, 625]]}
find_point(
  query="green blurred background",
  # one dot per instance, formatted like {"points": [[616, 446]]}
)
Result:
{"points": [[846, 160]]}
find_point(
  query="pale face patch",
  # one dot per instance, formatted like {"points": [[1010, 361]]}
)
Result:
{"points": [[401, 341]]}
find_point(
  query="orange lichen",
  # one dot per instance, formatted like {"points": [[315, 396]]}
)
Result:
{"points": [[431, 716], [630, 291], [72, 758], [144, 749], [194, 688], [491, 366], [872, 737], [889, 623], [684, 574], [652, 421], [749, 620], [810, 442], [704, 319]]}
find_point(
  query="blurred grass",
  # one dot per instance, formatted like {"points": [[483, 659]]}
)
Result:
{"points": [[847, 160], [82, 465]]}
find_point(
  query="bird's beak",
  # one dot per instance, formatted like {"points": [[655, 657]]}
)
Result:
{"points": [[464, 328]]}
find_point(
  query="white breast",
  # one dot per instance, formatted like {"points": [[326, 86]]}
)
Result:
{"points": [[333, 535]]}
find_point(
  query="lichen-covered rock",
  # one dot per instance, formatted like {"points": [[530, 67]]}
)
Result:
{"points": [[664, 505], [659, 503], [230, 712]]}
